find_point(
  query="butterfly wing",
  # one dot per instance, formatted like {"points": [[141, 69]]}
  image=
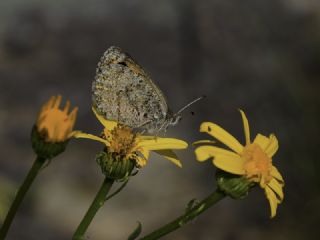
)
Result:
{"points": [[124, 92]]}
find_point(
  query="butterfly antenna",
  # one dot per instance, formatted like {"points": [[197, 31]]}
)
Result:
{"points": [[189, 104]]}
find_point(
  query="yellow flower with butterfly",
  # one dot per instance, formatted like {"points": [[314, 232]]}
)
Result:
{"points": [[123, 141]]}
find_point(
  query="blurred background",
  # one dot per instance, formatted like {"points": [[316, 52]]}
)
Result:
{"points": [[261, 56]]}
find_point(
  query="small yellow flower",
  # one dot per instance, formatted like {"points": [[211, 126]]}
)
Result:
{"points": [[253, 161], [55, 124], [122, 141]]}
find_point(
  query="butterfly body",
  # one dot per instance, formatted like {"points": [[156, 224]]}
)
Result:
{"points": [[124, 92]]}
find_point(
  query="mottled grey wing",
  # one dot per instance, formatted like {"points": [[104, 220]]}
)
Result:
{"points": [[122, 91]]}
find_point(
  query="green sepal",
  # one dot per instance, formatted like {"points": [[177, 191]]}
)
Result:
{"points": [[43, 149], [114, 166], [136, 232], [235, 186]]}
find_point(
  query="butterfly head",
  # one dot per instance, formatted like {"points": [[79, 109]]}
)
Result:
{"points": [[173, 119]]}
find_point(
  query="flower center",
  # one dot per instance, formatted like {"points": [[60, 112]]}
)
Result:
{"points": [[257, 164], [122, 140]]}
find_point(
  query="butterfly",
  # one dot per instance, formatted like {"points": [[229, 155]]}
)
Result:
{"points": [[124, 92]]}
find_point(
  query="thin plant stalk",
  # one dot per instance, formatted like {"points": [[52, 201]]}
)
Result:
{"points": [[189, 215], [36, 167], [93, 209]]}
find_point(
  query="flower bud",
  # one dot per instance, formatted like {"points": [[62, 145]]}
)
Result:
{"points": [[114, 166], [237, 187], [53, 128], [44, 149]]}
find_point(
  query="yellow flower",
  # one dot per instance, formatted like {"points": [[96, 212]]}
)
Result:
{"points": [[54, 124], [253, 161], [122, 141]]}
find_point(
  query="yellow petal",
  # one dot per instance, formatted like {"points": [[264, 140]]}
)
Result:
{"points": [[203, 142], [277, 188], [52, 101], [48, 104], [145, 153], [273, 201], [73, 116], [262, 141], [229, 164], [161, 143], [145, 137], [72, 134], [276, 174], [66, 107], [57, 101], [169, 155], [78, 134], [222, 135], [205, 152], [273, 146], [108, 124], [245, 127], [142, 160]]}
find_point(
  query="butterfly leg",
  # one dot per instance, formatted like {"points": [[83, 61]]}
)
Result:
{"points": [[164, 126], [145, 123]]}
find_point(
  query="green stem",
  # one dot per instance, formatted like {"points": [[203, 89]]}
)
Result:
{"points": [[38, 163], [93, 209], [187, 216]]}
